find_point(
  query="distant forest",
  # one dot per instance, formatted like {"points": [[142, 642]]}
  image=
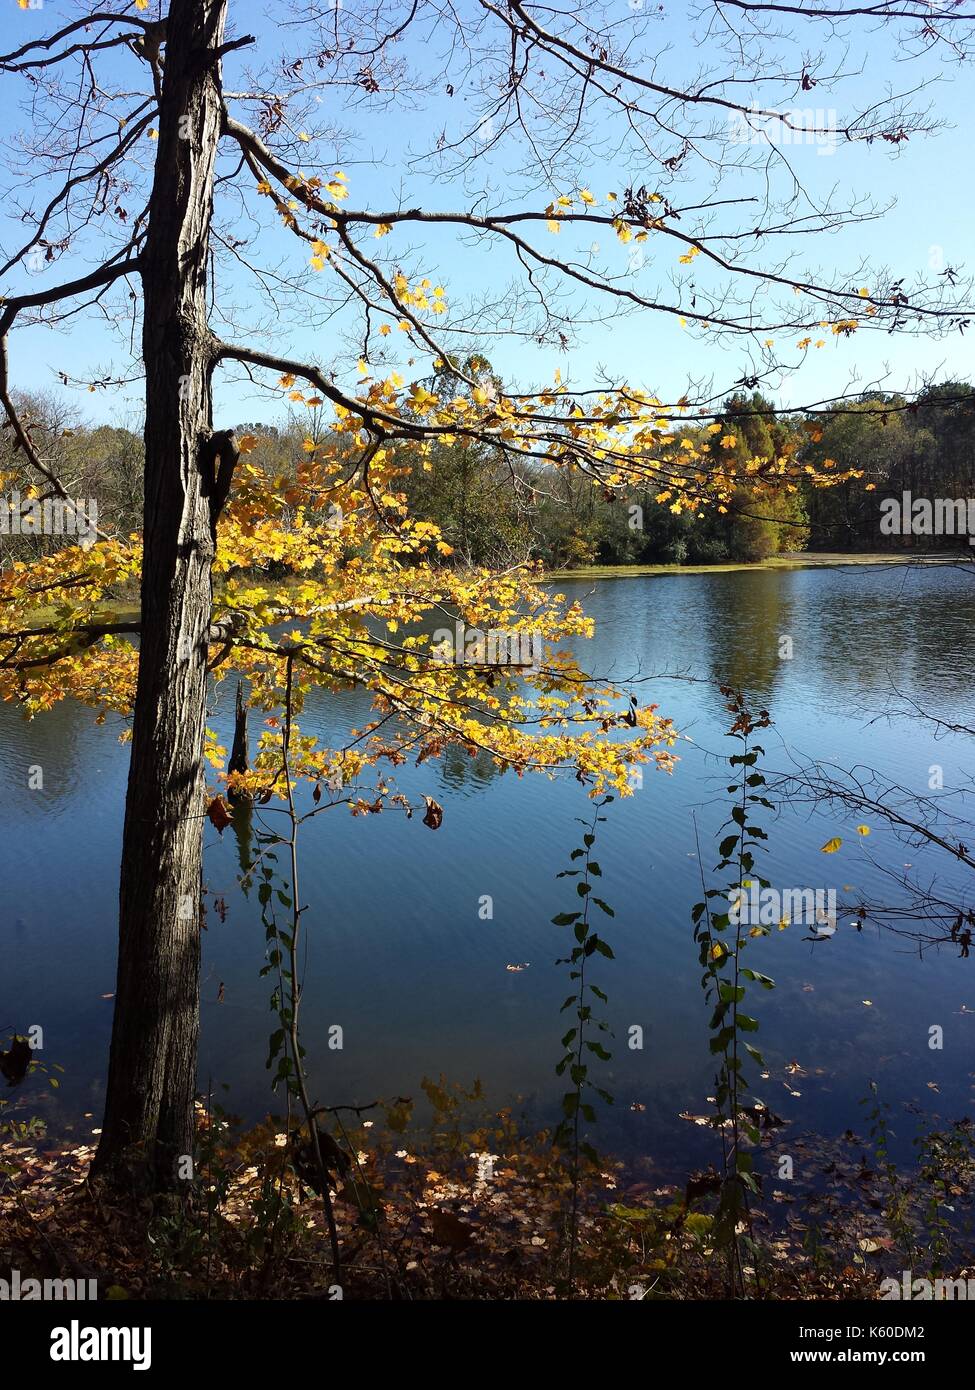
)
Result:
{"points": [[925, 446]]}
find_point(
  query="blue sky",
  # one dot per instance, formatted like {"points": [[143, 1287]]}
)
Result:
{"points": [[928, 179]]}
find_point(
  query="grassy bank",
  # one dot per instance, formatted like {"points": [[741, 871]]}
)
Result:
{"points": [[795, 561]]}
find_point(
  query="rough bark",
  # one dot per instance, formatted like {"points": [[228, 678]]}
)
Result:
{"points": [[148, 1120]]}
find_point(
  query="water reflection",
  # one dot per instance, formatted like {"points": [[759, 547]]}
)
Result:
{"points": [[397, 952]]}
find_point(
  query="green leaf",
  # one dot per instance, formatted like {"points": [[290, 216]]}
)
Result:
{"points": [[759, 979]]}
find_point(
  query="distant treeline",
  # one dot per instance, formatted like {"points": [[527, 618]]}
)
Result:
{"points": [[925, 446], [497, 515]]}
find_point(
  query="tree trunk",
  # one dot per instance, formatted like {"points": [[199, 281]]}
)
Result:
{"points": [[239, 756], [148, 1120]]}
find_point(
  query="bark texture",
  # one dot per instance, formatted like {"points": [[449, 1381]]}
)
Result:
{"points": [[148, 1122]]}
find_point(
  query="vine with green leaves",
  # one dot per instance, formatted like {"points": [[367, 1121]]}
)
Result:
{"points": [[725, 981], [319, 1160], [568, 1134]]}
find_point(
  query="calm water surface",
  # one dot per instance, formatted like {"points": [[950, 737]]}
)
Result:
{"points": [[398, 956]]}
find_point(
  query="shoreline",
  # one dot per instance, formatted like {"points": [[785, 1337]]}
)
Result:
{"points": [[124, 609], [793, 561]]}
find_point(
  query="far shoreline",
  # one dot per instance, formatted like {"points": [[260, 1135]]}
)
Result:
{"points": [[796, 560]]}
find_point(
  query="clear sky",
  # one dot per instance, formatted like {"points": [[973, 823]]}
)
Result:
{"points": [[383, 148]]}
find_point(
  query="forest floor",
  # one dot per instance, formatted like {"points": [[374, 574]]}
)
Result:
{"points": [[479, 1213]]}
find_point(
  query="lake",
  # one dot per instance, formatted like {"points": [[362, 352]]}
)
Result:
{"points": [[398, 955]]}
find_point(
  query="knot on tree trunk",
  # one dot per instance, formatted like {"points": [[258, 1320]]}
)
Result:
{"points": [[218, 459]]}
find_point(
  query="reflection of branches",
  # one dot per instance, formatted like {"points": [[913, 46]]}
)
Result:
{"points": [[914, 710], [927, 917], [863, 789]]}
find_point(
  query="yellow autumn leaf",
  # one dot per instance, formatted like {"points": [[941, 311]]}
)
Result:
{"points": [[831, 846], [247, 443], [863, 830]]}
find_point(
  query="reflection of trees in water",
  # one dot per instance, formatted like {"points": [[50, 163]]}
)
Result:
{"points": [[59, 741], [853, 631], [864, 631], [457, 770], [748, 615], [872, 639], [243, 828]]}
